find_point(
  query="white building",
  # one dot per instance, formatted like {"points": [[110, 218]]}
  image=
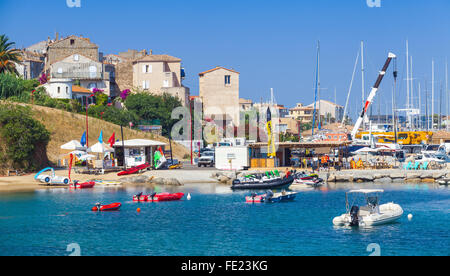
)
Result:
{"points": [[137, 152], [329, 110], [59, 88]]}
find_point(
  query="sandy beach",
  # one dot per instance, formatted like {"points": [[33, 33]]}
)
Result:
{"points": [[27, 183]]}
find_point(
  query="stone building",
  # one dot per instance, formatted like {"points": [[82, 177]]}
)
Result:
{"points": [[219, 92], [159, 74], [62, 48], [31, 65]]}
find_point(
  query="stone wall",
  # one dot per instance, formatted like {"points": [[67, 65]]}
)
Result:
{"points": [[71, 45]]}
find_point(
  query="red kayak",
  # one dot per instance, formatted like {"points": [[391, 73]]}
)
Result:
{"points": [[134, 170], [106, 208], [158, 197], [85, 185]]}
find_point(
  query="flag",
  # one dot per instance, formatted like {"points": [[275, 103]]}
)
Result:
{"points": [[112, 140], [159, 158], [83, 139], [100, 138], [271, 152]]}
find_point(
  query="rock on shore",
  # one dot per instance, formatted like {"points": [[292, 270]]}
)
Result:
{"points": [[142, 179], [386, 176]]}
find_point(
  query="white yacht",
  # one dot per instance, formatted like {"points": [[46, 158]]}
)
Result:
{"points": [[370, 215]]}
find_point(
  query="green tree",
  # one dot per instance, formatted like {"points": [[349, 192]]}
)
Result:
{"points": [[23, 140], [150, 107], [8, 56]]}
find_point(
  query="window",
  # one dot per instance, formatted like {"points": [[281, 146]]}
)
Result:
{"points": [[59, 89], [76, 57], [146, 84], [227, 80], [166, 83], [67, 90], [92, 85], [60, 70], [72, 42], [147, 69]]}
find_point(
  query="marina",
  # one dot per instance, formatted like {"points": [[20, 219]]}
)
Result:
{"points": [[217, 221]]}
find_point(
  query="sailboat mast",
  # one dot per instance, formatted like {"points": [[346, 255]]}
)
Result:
{"points": [[316, 89], [412, 93], [446, 93], [432, 94], [318, 83], [407, 84]]}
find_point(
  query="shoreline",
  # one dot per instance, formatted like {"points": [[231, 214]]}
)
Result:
{"points": [[26, 183]]}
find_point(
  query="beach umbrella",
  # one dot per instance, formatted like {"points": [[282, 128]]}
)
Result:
{"points": [[100, 148], [365, 150], [73, 145]]}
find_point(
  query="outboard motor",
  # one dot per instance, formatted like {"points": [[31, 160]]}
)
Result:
{"points": [[269, 194], [138, 196], [153, 195], [354, 216], [236, 182]]}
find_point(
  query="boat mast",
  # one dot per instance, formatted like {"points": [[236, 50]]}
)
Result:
{"points": [[350, 89], [316, 89], [432, 94], [407, 84], [420, 108], [363, 93], [446, 93], [411, 99]]}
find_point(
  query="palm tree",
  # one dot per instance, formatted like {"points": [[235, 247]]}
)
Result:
{"points": [[8, 56]]}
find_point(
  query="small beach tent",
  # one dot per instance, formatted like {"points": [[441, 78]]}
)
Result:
{"points": [[100, 148], [73, 145]]}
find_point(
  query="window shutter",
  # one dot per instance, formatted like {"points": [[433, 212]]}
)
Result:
{"points": [[143, 69]]}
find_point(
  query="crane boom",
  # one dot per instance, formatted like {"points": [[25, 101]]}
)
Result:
{"points": [[372, 94]]}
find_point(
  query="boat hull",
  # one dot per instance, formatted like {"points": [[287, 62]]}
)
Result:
{"points": [[282, 183], [159, 197], [107, 208], [275, 199], [86, 185], [388, 213]]}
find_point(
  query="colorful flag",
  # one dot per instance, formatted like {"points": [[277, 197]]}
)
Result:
{"points": [[112, 140], [271, 152], [159, 158], [83, 139], [100, 138]]}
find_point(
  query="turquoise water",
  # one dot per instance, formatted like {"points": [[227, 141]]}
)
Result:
{"points": [[218, 222]]}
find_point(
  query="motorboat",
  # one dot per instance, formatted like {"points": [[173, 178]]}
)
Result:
{"points": [[444, 182], [106, 208], [158, 197], [310, 180], [268, 181], [271, 197], [85, 185], [370, 215]]}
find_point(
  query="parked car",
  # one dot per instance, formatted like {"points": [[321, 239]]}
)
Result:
{"points": [[207, 159]]}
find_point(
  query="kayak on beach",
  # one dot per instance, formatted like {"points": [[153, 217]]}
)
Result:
{"points": [[85, 185], [134, 170], [105, 208], [158, 197]]}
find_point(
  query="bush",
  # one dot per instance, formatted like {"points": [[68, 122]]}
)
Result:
{"points": [[24, 140], [12, 86], [154, 107]]}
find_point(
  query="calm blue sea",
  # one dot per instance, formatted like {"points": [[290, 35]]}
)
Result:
{"points": [[218, 222]]}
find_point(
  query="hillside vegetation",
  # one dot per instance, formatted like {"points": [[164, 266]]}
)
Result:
{"points": [[65, 126]]}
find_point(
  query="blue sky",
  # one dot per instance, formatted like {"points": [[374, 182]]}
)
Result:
{"points": [[271, 43]]}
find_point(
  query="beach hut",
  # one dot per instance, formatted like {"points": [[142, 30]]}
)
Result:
{"points": [[137, 152]]}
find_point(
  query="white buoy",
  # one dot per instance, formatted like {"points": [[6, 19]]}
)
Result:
{"points": [[189, 196], [410, 216]]}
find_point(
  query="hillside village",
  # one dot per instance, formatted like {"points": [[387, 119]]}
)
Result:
{"points": [[74, 67]]}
